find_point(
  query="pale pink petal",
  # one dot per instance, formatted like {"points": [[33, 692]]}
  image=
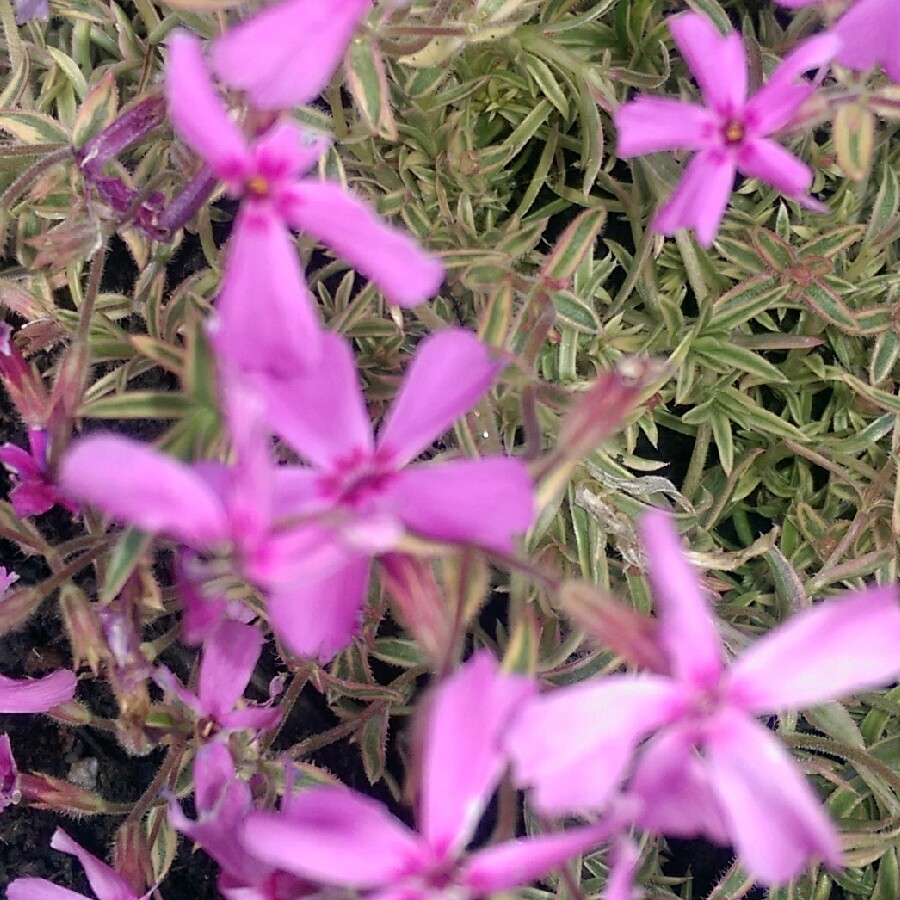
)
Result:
{"points": [[299, 491], [285, 55], [197, 111], [253, 718], [651, 124], [322, 415], [400, 268], [838, 647], [776, 102], [287, 150], [522, 862], [299, 553], [450, 373], [7, 579], [169, 682], [672, 783], [229, 658], [603, 723], [213, 772], [133, 483], [718, 62], [476, 501], [777, 823], [266, 318], [770, 162], [105, 882], [870, 35], [463, 755], [795, 4], [335, 836], [39, 889], [625, 859], [36, 695], [700, 199], [318, 619], [9, 774], [687, 626]]}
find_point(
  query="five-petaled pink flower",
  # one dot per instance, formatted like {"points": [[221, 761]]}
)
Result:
{"points": [[266, 315], [731, 133], [337, 837], [711, 768], [365, 490]]}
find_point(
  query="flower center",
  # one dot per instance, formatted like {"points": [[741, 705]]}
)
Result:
{"points": [[258, 185], [357, 480], [734, 132]]}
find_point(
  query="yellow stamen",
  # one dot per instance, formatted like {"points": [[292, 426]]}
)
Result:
{"points": [[258, 185], [734, 132]]}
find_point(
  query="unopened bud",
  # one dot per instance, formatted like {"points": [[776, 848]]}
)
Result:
{"points": [[83, 627], [131, 856], [46, 792], [22, 382]]}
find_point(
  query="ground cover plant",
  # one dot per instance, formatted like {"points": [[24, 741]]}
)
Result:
{"points": [[450, 449]]}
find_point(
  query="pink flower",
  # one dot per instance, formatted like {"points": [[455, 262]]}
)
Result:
{"points": [[867, 32], [262, 262], [285, 55], [337, 837], [366, 489], [34, 492], [730, 133], [742, 786], [9, 775], [223, 803], [34, 695], [229, 658], [105, 882]]}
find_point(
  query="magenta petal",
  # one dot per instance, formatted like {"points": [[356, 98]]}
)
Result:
{"points": [[450, 373], [253, 718], [687, 627], [603, 723], [37, 694], [287, 150], [870, 34], [476, 501], [285, 55], [770, 162], [322, 415], [133, 483], [266, 318], [105, 882], [31, 498], [775, 819], [519, 863], [700, 199], [336, 836], [624, 861], [718, 62], [229, 658], [198, 113], [463, 757], [651, 124], [168, 681], [838, 647], [39, 889], [401, 269], [318, 618], [672, 782]]}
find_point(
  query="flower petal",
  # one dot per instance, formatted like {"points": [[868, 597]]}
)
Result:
{"points": [[323, 414], [476, 501], [335, 836], [105, 882], [285, 55], [519, 863], [776, 821], [450, 373], [317, 619], [770, 162], [687, 627], [672, 782], [197, 111], [401, 269], [870, 34], [700, 199], [133, 483], [603, 723], [266, 319], [717, 61], [229, 658], [463, 757], [286, 150], [39, 889], [651, 124], [36, 695], [855, 640]]}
